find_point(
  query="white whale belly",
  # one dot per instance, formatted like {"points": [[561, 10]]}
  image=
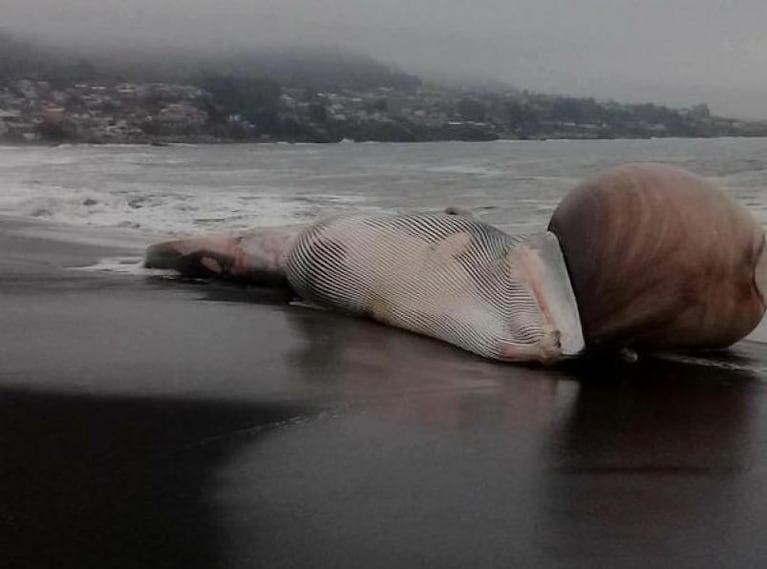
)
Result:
{"points": [[448, 277]]}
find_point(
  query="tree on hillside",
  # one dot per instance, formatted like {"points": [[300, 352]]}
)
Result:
{"points": [[257, 100], [472, 110]]}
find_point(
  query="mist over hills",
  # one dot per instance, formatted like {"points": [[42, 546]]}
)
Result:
{"points": [[143, 93], [316, 67]]}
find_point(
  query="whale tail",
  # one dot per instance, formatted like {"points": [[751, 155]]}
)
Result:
{"points": [[194, 257], [256, 256]]}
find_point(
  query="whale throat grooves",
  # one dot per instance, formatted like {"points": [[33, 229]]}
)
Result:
{"points": [[445, 276]]}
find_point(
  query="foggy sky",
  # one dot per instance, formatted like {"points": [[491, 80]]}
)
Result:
{"points": [[677, 52]]}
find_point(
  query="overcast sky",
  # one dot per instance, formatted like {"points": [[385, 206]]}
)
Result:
{"points": [[677, 52]]}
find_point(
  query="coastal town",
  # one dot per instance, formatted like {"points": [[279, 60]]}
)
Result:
{"points": [[51, 96], [230, 109]]}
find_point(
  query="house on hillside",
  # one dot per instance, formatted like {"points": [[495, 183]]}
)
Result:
{"points": [[13, 125], [180, 118]]}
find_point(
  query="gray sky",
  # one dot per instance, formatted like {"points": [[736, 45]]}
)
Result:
{"points": [[677, 52]]}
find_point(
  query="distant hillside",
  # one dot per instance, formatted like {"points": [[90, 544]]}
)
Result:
{"points": [[321, 70], [297, 95]]}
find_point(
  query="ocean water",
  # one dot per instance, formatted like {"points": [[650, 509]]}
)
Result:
{"points": [[183, 189]]}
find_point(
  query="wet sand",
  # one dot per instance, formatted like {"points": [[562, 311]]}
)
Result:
{"points": [[146, 422]]}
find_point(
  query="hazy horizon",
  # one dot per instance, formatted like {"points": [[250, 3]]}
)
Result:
{"points": [[679, 53]]}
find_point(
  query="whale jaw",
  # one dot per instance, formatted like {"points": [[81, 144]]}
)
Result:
{"points": [[760, 273], [555, 294]]}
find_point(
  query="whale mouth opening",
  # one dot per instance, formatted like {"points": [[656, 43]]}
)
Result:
{"points": [[760, 272]]}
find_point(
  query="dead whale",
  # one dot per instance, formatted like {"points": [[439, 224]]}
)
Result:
{"points": [[641, 256]]}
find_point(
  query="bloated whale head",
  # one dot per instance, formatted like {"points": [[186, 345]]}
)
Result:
{"points": [[661, 259]]}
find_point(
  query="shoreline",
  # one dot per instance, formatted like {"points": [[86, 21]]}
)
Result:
{"points": [[166, 144]]}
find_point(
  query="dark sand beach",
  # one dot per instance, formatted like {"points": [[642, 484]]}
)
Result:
{"points": [[147, 422]]}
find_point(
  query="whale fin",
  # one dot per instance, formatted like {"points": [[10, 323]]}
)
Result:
{"points": [[461, 211]]}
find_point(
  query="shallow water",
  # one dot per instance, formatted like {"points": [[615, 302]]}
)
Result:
{"points": [[512, 184]]}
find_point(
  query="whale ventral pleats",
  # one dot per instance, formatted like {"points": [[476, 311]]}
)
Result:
{"points": [[446, 276]]}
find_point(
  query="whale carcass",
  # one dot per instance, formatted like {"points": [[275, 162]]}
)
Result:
{"points": [[641, 256]]}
